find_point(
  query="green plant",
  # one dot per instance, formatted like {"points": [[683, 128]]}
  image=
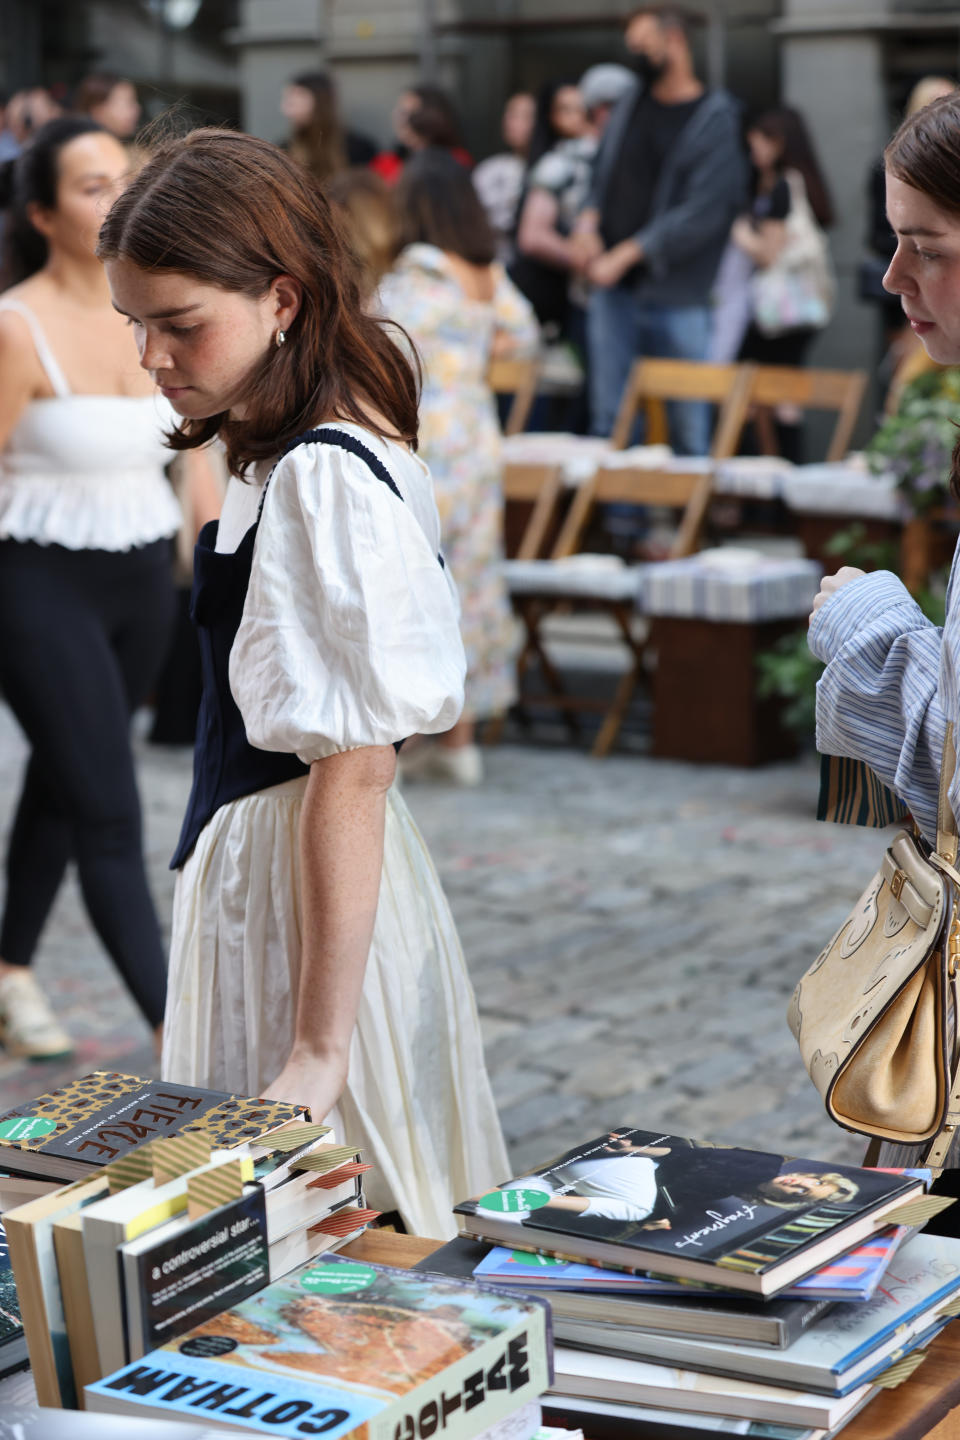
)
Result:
{"points": [[852, 547], [915, 444]]}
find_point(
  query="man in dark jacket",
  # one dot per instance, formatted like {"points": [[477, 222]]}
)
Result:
{"points": [[670, 178]]}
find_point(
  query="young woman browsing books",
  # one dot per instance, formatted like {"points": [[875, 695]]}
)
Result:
{"points": [[313, 953], [891, 679]]}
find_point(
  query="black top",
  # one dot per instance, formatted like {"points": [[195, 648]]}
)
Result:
{"points": [[225, 765], [772, 204], [650, 135]]}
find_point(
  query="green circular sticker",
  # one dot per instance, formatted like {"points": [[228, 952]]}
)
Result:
{"points": [[530, 1259], [337, 1279], [505, 1201], [26, 1127]]}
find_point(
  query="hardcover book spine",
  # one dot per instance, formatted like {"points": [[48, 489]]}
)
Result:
{"points": [[792, 1326]]}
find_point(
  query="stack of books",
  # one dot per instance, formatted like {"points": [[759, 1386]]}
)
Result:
{"points": [[699, 1289], [178, 1203]]}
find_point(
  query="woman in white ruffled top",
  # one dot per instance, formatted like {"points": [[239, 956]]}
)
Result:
{"points": [[86, 514], [313, 955]]}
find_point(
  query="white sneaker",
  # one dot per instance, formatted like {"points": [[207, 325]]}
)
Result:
{"points": [[459, 765], [28, 1027]]}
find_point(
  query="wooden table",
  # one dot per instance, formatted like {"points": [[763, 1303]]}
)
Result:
{"points": [[923, 1406]]}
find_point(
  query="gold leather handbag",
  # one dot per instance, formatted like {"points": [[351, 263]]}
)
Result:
{"points": [[875, 1015]]}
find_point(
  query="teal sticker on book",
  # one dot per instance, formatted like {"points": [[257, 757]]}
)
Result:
{"points": [[27, 1127], [529, 1259], [507, 1201], [337, 1279]]}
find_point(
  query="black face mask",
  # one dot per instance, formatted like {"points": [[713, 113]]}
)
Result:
{"points": [[646, 68]]}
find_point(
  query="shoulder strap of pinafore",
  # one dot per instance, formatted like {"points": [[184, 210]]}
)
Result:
{"points": [[325, 435]]}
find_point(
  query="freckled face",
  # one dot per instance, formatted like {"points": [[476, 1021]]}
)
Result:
{"points": [[925, 271], [200, 343]]}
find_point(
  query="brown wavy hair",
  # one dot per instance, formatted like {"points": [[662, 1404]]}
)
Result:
{"points": [[234, 211], [925, 154]]}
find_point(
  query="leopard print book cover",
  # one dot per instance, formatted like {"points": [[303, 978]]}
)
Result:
{"points": [[107, 1099]]}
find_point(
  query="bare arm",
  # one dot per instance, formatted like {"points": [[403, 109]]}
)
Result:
{"points": [[341, 857], [763, 242], [537, 234], [21, 375]]}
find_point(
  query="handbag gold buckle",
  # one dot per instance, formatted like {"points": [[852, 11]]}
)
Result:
{"points": [[897, 884]]}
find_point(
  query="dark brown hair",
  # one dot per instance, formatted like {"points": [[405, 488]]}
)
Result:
{"points": [[787, 128], [33, 178], [925, 154], [234, 211], [668, 17], [319, 144], [93, 90], [439, 206]]}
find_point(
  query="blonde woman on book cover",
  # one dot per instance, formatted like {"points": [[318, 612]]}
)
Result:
{"points": [[892, 678], [313, 954]]}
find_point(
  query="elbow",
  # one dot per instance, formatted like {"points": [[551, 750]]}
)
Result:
{"points": [[369, 770]]}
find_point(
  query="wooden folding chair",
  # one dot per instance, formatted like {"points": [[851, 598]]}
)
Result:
{"points": [[536, 595], [518, 378], [652, 383], [540, 486], [841, 391]]}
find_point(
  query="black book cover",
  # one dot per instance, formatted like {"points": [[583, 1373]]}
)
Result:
{"points": [[656, 1195], [213, 1263], [101, 1117]]}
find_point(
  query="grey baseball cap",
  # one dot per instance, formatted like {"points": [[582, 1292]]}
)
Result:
{"points": [[604, 84]]}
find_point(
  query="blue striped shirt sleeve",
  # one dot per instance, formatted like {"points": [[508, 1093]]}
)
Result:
{"points": [[877, 700]]}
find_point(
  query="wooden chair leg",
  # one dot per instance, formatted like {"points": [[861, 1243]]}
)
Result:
{"points": [[532, 612], [615, 716]]}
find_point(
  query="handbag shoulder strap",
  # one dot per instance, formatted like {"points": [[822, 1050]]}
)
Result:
{"points": [[946, 820]]}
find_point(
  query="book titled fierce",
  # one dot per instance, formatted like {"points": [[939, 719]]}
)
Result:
{"points": [[69, 1133]]}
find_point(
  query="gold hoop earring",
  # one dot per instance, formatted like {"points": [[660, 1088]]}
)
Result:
{"points": [[281, 338]]}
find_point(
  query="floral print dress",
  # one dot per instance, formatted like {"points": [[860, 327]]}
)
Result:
{"points": [[460, 441]]}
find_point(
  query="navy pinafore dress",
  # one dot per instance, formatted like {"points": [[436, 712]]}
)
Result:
{"points": [[225, 765]]}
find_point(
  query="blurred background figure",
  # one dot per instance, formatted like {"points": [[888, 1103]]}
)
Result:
{"points": [[317, 138], [601, 87], [786, 173], [790, 200], [459, 308], [86, 590], [499, 179], [368, 208], [24, 113], [111, 101], [555, 187], [669, 179], [423, 117]]}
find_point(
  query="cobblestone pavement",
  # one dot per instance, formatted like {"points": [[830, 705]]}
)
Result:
{"points": [[634, 929]]}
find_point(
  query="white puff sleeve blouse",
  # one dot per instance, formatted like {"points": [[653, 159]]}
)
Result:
{"points": [[350, 634]]}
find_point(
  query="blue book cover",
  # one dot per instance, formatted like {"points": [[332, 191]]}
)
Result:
{"points": [[854, 1276]]}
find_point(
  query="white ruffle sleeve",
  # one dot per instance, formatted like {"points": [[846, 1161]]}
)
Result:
{"points": [[350, 632]]}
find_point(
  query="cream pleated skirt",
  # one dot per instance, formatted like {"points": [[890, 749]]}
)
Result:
{"points": [[418, 1100]]}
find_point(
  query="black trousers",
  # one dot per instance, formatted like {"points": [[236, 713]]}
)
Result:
{"points": [[82, 636]]}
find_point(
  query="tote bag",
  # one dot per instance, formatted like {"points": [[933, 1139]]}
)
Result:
{"points": [[797, 291]]}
